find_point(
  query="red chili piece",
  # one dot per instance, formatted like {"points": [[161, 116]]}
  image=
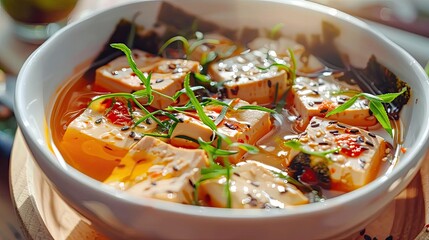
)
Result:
{"points": [[119, 114], [352, 149]]}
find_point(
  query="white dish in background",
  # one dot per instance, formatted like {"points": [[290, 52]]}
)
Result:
{"points": [[121, 216]]}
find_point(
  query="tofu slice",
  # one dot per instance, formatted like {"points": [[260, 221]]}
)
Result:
{"points": [[252, 185], [156, 169], [167, 76], [305, 64], [243, 79], [359, 157], [244, 126], [95, 145], [315, 97]]}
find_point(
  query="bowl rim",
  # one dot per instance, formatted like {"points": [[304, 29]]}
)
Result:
{"points": [[413, 154]]}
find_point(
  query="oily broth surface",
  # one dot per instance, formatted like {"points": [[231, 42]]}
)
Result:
{"points": [[75, 96]]}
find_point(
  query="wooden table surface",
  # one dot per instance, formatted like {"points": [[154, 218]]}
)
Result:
{"points": [[44, 215]]}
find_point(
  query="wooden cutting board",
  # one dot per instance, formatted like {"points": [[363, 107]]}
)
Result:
{"points": [[44, 215]]}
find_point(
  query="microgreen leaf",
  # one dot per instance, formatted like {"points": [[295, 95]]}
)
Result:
{"points": [[221, 115], [203, 78], [288, 178], [386, 98], [293, 67], [379, 112], [275, 31], [281, 103], [246, 147], [200, 111], [297, 145], [255, 107], [174, 39], [188, 48], [145, 80], [343, 106], [375, 105]]}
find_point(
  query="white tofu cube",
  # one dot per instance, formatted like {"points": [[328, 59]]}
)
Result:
{"points": [[243, 79], [156, 169], [252, 185], [167, 76], [316, 97], [359, 156]]}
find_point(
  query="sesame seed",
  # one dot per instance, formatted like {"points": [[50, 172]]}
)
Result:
{"points": [[371, 134], [369, 143], [340, 125], [314, 124], [132, 134], [98, 121], [125, 128], [354, 130]]}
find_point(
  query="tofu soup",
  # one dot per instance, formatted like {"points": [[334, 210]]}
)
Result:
{"points": [[207, 117]]}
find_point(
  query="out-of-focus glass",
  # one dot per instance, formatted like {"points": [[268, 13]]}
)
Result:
{"points": [[37, 20]]}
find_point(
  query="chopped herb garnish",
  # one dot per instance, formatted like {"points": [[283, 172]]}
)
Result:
{"points": [[200, 111], [297, 145], [275, 31], [256, 107], [145, 80], [188, 48], [375, 105]]}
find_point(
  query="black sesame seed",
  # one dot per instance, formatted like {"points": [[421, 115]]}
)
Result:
{"points": [[390, 237], [148, 121], [172, 66], [314, 124], [114, 73], [315, 92], [132, 134], [354, 130], [340, 125], [369, 143], [311, 104], [269, 83], [359, 139], [367, 237], [230, 126], [324, 143], [159, 80], [125, 128], [333, 132], [98, 121], [153, 183], [175, 168], [236, 174], [317, 102], [256, 184], [362, 232], [191, 183], [371, 134], [332, 122], [324, 110], [181, 120]]}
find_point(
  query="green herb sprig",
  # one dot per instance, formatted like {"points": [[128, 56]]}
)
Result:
{"points": [[375, 105], [188, 48], [297, 145]]}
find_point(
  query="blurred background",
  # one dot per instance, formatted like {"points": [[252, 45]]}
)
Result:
{"points": [[405, 22]]}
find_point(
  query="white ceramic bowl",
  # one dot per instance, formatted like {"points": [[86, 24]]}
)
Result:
{"points": [[121, 216]]}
